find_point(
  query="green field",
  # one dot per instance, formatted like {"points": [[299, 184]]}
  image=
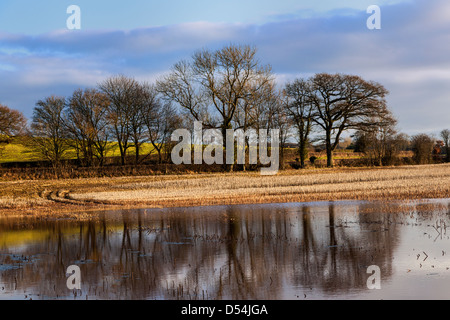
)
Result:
{"points": [[21, 150]]}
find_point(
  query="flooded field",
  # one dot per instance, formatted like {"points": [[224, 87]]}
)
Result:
{"points": [[293, 251]]}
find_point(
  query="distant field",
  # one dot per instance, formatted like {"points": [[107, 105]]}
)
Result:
{"points": [[21, 150], [18, 151]]}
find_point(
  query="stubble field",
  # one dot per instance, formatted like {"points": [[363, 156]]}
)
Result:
{"points": [[76, 197]]}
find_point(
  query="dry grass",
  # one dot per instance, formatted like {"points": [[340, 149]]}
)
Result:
{"points": [[394, 183], [48, 197]]}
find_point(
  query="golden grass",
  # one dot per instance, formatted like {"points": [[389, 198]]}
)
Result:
{"points": [[393, 183], [48, 197]]}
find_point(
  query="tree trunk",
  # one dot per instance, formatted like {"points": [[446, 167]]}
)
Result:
{"points": [[281, 153], [303, 153], [329, 150], [159, 156], [136, 161], [122, 153], [329, 157], [227, 167]]}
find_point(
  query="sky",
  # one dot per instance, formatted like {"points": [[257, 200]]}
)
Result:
{"points": [[409, 55]]}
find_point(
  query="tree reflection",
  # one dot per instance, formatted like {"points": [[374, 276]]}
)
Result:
{"points": [[235, 252]]}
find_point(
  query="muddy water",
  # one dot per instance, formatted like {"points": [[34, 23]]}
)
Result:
{"points": [[270, 252]]}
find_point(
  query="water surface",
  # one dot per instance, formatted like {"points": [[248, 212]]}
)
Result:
{"points": [[270, 252]]}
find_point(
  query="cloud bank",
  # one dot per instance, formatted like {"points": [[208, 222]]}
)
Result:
{"points": [[410, 56]]}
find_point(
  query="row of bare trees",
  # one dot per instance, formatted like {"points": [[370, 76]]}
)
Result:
{"points": [[225, 89], [332, 105], [121, 113], [383, 146], [229, 88]]}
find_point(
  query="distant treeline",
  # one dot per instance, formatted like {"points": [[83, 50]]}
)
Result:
{"points": [[224, 89]]}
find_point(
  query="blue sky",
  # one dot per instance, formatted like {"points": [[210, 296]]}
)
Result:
{"points": [[33, 17], [410, 55]]}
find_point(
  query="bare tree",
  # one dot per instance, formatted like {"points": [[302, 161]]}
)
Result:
{"points": [[213, 86], [123, 114], [422, 146], [87, 125], [300, 109], [12, 122], [445, 135], [159, 118], [160, 127], [343, 102], [378, 142], [259, 111], [281, 120], [49, 130], [143, 101]]}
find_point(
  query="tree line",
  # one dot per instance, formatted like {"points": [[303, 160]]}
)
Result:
{"points": [[225, 89]]}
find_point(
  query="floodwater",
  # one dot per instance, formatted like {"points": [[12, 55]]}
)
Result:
{"points": [[295, 251]]}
